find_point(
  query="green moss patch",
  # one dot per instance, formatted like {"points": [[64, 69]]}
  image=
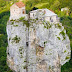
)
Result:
{"points": [[22, 18], [67, 57], [47, 25], [63, 34], [16, 39], [58, 26], [64, 51], [15, 25], [25, 23], [58, 38]]}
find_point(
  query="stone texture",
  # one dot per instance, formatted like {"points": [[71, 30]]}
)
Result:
{"points": [[41, 47]]}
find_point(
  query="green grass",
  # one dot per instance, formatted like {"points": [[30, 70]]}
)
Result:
{"points": [[41, 5]]}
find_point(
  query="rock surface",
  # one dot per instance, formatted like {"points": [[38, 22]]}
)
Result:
{"points": [[40, 47]]}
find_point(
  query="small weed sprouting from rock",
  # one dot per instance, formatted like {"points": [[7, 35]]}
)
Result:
{"points": [[63, 34], [16, 39], [58, 38]]}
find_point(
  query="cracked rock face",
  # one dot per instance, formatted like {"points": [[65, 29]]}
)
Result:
{"points": [[41, 47]]}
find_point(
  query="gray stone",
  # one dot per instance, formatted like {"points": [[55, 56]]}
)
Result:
{"points": [[41, 47]]}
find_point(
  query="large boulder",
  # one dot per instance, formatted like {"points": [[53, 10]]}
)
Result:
{"points": [[39, 47]]}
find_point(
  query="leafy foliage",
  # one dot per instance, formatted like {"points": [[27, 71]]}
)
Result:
{"points": [[22, 18], [3, 42], [67, 23]]}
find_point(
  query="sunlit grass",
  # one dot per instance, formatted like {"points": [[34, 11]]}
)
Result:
{"points": [[41, 4]]}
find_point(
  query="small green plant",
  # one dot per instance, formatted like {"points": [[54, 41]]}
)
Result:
{"points": [[58, 38], [16, 39], [67, 57], [46, 53], [64, 38], [64, 51], [36, 18], [20, 49], [22, 18], [44, 26], [12, 20], [17, 21], [63, 34], [59, 26], [49, 67], [33, 20], [12, 23], [25, 61], [47, 25], [9, 39], [15, 25], [20, 52], [25, 23]]}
